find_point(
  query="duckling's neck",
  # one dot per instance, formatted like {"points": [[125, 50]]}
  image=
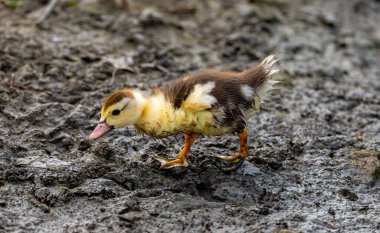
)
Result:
{"points": [[158, 117]]}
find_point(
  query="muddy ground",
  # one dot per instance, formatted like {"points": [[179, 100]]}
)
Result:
{"points": [[314, 164]]}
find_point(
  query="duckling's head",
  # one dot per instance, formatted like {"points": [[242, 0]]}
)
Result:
{"points": [[121, 108]]}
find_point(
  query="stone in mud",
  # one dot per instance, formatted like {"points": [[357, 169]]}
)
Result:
{"points": [[366, 163], [349, 194]]}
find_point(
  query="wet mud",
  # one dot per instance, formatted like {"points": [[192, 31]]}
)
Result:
{"points": [[314, 147]]}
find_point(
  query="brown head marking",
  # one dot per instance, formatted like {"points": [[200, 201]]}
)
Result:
{"points": [[116, 97]]}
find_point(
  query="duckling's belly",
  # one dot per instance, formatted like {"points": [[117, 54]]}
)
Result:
{"points": [[202, 123]]}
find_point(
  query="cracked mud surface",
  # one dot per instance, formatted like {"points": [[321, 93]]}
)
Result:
{"points": [[314, 163]]}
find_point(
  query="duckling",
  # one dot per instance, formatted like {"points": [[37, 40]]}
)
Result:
{"points": [[209, 103]]}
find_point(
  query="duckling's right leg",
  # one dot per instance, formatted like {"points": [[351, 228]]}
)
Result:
{"points": [[181, 160], [233, 162]]}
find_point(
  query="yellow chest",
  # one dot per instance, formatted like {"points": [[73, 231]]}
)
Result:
{"points": [[160, 120]]}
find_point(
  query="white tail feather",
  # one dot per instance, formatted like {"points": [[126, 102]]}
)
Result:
{"points": [[264, 89]]}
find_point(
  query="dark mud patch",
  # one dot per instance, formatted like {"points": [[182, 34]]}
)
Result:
{"points": [[314, 164]]}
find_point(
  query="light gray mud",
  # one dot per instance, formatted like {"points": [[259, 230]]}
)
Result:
{"points": [[309, 169]]}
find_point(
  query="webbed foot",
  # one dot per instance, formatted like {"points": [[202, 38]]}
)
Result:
{"points": [[171, 163], [231, 163]]}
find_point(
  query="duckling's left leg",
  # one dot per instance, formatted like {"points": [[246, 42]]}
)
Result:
{"points": [[235, 161], [181, 160]]}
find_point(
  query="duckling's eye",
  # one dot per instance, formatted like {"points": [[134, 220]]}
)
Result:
{"points": [[115, 112]]}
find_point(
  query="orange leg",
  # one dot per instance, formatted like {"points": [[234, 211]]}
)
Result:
{"points": [[236, 160], [181, 160]]}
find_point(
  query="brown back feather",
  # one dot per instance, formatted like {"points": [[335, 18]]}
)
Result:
{"points": [[227, 84], [227, 91], [258, 75]]}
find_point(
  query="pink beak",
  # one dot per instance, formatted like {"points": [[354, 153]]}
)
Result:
{"points": [[101, 129]]}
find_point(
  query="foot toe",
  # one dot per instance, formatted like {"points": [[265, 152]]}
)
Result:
{"points": [[162, 160], [221, 157], [171, 163], [228, 166], [229, 159]]}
